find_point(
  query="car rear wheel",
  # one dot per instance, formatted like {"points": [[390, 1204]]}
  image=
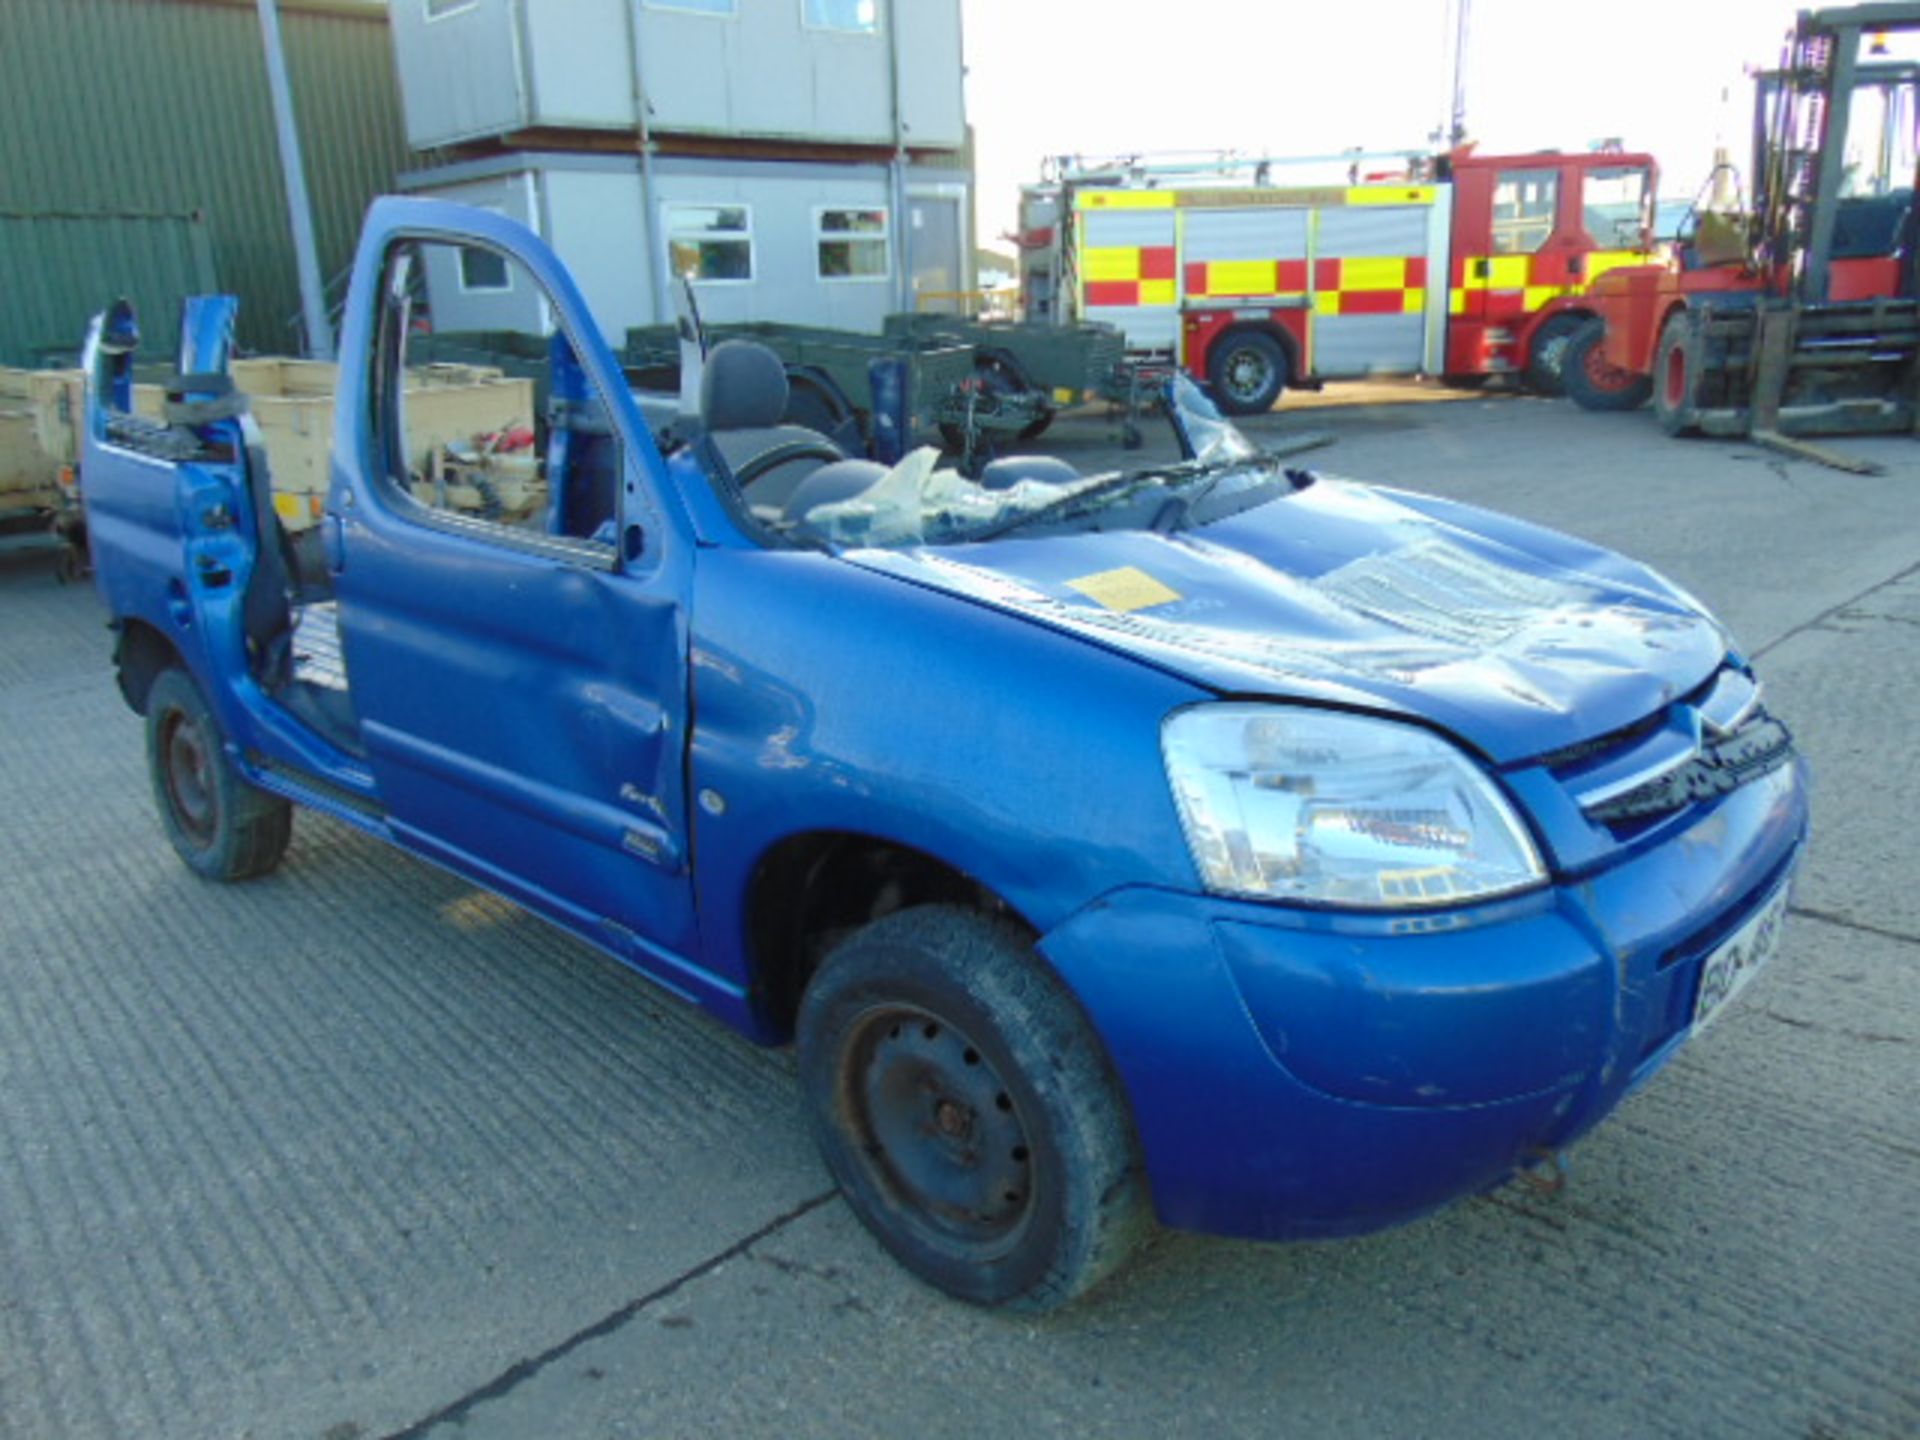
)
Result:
{"points": [[221, 826], [1593, 383], [968, 1112]]}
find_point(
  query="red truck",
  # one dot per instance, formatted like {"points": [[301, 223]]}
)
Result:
{"points": [[1463, 265]]}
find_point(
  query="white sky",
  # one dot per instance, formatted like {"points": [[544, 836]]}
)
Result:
{"points": [[1293, 77]]}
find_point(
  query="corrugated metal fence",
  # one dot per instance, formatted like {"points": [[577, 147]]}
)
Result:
{"points": [[137, 152]]}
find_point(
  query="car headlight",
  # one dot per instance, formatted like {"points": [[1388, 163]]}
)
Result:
{"points": [[1327, 808]]}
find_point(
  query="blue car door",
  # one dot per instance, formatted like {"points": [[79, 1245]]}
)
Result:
{"points": [[518, 660]]}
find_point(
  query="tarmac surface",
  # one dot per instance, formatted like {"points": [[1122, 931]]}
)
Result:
{"points": [[357, 1150]]}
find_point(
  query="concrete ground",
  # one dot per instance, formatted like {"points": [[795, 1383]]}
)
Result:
{"points": [[356, 1149]]}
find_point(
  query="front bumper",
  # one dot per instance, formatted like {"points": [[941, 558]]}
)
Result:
{"points": [[1297, 1074]]}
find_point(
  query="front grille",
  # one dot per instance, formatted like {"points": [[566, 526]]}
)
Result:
{"points": [[1758, 748], [1703, 745], [1571, 757]]}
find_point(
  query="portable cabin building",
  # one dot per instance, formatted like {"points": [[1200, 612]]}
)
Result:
{"points": [[804, 161]]}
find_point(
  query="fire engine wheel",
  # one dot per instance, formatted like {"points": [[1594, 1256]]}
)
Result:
{"points": [[1247, 370], [220, 825], [1676, 377], [968, 1112], [1592, 382], [1548, 353]]}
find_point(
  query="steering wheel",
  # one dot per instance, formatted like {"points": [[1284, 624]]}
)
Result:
{"points": [[757, 466]]}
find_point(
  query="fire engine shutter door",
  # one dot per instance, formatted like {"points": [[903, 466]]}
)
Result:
{"points": [[1370, 290], [1245, 252], [1127, 274]]}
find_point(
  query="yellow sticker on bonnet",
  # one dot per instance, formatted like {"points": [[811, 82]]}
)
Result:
{"points": [[1124, 589]]}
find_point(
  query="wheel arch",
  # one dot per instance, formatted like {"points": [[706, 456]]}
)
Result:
{"points": [[140, 654], [1280, 353], [1268, 326], [1677, 307], [810, 889], [1574, 309]]}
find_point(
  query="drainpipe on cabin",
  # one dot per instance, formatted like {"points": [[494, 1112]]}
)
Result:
{"points": [[649, 232], [897, 166], [306, 256]]}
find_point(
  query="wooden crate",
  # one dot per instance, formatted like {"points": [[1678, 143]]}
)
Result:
{"points": [[24, 467], [40, 415], [293, 402], [53, 399]]}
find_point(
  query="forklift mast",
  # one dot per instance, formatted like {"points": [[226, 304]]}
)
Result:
{"points": [[1801, 118]]}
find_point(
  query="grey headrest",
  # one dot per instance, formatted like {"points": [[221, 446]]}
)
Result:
{"points": [[839, 480], [743, 387], [1005, 474]]}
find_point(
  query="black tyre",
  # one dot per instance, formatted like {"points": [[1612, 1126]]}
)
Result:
{"points": [[968, 1112], [220, 825], [814, 405], [1676, 363], [1591, 382], [1546, 357], [1247, 371]]}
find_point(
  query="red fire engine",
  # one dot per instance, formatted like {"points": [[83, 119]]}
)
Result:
{"points": [[1464, 265]]}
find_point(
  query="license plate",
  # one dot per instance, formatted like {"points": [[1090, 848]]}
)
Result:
{"points": [[1737, 959]]}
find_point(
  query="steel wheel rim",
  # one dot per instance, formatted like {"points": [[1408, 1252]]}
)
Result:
{"points": [[1553, 354], [936, 1129], [191, 793], [1247, 373], [1676, 377]]}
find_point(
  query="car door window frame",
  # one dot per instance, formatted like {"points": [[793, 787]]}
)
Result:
{"points": [[386, 381]]}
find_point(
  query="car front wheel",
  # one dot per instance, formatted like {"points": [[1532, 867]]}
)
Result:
{"points": [[968, 1112]]}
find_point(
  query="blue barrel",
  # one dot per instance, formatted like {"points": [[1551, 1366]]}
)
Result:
{"points": [[889, 379]]}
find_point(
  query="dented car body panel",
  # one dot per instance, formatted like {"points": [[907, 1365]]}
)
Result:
{"points": [[1510, 637], [625, 738]]}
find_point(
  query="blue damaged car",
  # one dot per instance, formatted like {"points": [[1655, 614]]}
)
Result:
{"points": [[1215, 844]]}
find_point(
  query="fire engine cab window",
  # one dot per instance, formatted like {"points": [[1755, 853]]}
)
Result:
{"points": [[851, 244], [1614, 207], [485, 418], [1523, 206]]}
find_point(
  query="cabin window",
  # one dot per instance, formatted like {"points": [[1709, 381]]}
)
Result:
{"points": [[850, 243], [710, 243]]}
